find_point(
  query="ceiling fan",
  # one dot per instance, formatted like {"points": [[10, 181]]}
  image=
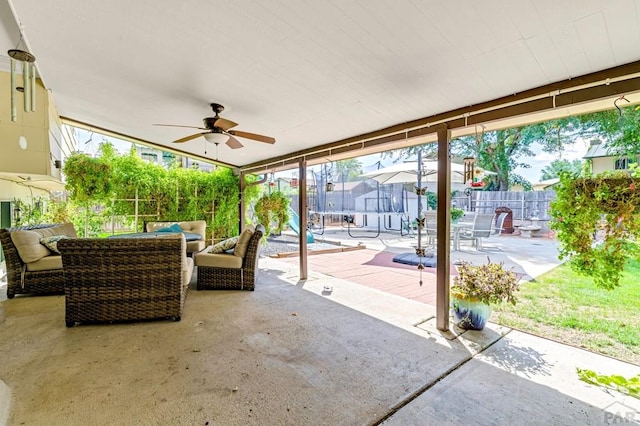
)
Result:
{"points": [[217, 130]]}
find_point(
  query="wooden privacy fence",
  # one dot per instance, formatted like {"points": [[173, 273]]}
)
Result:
{"points": [[524, 205]]}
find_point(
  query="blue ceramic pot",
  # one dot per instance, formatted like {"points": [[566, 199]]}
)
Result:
{"points": [[470, 314]]}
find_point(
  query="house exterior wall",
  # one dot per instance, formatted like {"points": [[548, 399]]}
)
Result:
{"points": [[602, 164], [48, 142]]}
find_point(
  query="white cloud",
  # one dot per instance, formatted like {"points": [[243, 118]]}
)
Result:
{"points": [[574, 151]]}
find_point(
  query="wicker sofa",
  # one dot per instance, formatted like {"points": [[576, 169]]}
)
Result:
{"points": [[236, 269], [31, 267], [192, 226], [125, 279]]}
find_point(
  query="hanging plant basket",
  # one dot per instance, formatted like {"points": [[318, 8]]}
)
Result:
{"points": [[597, 221]]}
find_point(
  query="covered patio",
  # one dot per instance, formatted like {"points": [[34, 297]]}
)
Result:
{"points": [[292, 353]]}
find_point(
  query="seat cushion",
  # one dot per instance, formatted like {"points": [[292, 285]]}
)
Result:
{"points": [[28, 244], [187, 270], [218, 260], [243, 242], [194, 246], [45, 264]]}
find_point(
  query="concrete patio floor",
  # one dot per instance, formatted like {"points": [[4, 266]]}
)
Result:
{"points": [[326, 351]]}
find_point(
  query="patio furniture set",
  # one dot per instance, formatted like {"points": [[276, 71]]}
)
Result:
{"points": [[472, 228], [123, 279]]}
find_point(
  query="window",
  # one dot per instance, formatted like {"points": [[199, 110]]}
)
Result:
{"points": [[624, 163]]}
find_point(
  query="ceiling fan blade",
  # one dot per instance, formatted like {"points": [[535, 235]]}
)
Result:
{"points": [[253, 136], [224, 124], [177, 125], [188, 138], [234, 143]]}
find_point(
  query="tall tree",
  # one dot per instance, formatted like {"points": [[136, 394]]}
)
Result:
{"points": [[553, 169], [502, 151], [618, 128], [348, 170]]}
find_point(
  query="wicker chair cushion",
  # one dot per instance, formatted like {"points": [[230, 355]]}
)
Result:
{"points": [[45, 264], [52, 242], [27, 242], [224, 245], [243, 242], [210, 260]]}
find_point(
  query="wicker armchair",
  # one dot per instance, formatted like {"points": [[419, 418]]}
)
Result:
{"points": [[125, 279], [228, 271], [20, 280]]}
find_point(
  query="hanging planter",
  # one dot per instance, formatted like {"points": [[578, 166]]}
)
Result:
{"points": [[597, 222]]}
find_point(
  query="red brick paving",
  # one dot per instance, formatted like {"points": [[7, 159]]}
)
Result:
{"points": [[376, 269]]}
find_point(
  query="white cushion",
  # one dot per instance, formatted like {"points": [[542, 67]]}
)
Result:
{"points": [[243, 242], [218, 260], [45, 264]]}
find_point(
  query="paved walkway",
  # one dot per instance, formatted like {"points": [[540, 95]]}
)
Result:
{"points": [[374, 267]]}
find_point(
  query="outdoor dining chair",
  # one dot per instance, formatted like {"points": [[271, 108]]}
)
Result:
{"points": [[483, 227]]}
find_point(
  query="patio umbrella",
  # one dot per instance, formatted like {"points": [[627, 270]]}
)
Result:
{"points": [[408, 173]]}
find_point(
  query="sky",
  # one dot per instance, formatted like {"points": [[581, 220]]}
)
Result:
{"points": [[577, 150]]}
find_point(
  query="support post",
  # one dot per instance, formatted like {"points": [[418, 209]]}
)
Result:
{"points": [[302, 218], [443, 232], [135, 207], [241, 204]]}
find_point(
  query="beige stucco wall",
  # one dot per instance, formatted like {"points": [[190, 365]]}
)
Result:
{"points": [[47, 141], [602, 164]]}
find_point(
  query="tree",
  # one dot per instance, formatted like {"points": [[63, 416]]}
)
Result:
{"points": [[502, 151], [620, 129], [346, 170], [556, 167]]}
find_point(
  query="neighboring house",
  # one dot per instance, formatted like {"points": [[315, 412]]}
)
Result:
{"points": [[602, 160], [344, 194], [545, 185]]}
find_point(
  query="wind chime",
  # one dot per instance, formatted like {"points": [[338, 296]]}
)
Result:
{"points": [[28, 87], [420, 192], [472, 176]]}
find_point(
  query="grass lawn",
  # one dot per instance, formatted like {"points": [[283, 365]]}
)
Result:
{"points": [[564, 306]]}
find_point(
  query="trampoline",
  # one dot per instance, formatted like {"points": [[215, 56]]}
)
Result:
{"points": [[413, 259]]}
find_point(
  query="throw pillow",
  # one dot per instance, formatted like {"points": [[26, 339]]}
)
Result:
{"points": [[52, 242], [173, 228], [224, 245]]}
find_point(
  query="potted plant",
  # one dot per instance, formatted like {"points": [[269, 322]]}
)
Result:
{"points": [[478, 286], [456, 213], [597, 223]]}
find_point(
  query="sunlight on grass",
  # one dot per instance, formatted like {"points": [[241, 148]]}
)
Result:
{"points": [[568, 307]]}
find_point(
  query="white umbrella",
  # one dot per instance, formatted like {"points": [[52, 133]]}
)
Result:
{"points": [[408, 173]]}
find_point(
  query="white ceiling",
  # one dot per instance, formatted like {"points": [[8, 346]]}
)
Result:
{"points": [[306, 72]]}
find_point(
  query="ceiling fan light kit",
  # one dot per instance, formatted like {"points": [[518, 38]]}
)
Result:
{"points": [[216, 138]]}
